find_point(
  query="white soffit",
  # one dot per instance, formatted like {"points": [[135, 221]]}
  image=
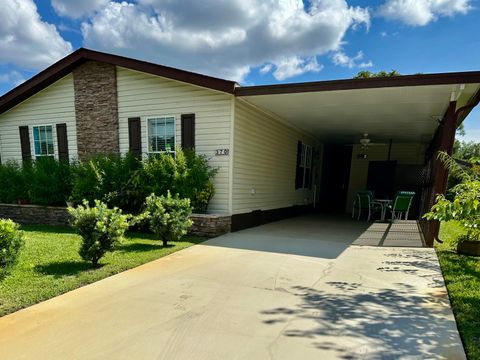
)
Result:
{"points": [[403, 114]]}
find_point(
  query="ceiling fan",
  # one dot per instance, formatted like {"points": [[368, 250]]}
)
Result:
{"points": [[365, 141]]}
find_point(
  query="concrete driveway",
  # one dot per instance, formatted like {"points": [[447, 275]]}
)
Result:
{"points": [[295, 289]]}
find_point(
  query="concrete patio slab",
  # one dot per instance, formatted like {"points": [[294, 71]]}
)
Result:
{"points": [[295, 289]]}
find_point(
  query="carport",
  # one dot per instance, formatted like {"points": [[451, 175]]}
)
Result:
{"points": [[406, 119]]}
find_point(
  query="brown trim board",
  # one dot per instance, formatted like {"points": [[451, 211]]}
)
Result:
{"points": [[259, 217], [468, 77]]}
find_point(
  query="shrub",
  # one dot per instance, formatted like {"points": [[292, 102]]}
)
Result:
{"points": [[196, 183], [168, 216], [11, 242], [465, 205], [107, 178], [12, 183], [186, 174], [101, 229], [49, 181]]}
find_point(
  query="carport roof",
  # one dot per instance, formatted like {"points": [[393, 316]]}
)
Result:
{"points": [[401, 108]]}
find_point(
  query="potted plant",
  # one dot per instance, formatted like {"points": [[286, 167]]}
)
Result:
{"points": [[464, 208]]}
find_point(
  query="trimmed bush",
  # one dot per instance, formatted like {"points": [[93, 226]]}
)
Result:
{"points": [[122, 182], [12, 183], [101, 229], [107, 178], [11, 242], [187, 174], [169, 217], [49, 181]]}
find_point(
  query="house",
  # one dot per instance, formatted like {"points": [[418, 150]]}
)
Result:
{"points": [[278, 148]]}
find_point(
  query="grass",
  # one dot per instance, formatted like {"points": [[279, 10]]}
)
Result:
{"points": [[49, 264], [462, 276]]}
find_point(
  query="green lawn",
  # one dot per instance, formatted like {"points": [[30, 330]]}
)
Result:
{"points": [[462, 276], [49, 264]]}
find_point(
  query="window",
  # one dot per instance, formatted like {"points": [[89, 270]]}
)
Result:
{"points": [[161, 134], [43, 140], [304, 166]]}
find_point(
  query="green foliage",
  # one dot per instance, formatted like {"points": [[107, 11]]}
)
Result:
{"points": [[11, 242], [462, 277], [118, 181], [368, 74], [193, 180], [101, 229], [49, 181], [105, 177], [464, 207], [187, 174], [169, 217], [466, 150], [470, 153], [12, 183]]}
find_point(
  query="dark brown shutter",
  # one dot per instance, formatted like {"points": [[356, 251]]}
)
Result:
{"points": [[25, 143], [188, 131], [134, 136], [299, 169], [62, 142]]}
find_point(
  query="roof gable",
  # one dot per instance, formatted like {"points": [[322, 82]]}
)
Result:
{"points": [[67, 64]]}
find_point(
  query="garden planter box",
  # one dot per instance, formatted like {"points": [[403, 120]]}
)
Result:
{"points": [[469, 247]]}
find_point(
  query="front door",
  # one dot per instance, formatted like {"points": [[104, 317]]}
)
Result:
{"points": [[335, 177]]}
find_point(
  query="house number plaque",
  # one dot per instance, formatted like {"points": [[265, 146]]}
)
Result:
{"points": [[222, 152]]}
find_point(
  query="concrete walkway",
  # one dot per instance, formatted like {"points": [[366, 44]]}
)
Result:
{"points": [[295, 289]]}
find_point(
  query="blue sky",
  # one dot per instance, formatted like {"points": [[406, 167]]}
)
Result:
{"points": [[251, 41]]}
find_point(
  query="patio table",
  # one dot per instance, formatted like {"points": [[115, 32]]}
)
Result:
{"points": [[384, 205]]}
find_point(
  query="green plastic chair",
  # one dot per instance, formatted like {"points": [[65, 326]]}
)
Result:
{"points": [[364, 202], [401, 204]]}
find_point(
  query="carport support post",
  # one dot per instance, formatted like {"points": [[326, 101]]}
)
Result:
{"points": [[443, 141]]}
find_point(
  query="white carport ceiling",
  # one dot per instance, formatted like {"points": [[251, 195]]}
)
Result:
{"points": [[403, 114]]}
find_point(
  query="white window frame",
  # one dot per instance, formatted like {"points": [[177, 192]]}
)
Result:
{"points": [[147, 120], [34, 152], [306, 162]]}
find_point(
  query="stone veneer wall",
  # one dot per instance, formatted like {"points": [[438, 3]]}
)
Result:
{"points": [[210, 225], [34, 214], [203, 224], [96, 108]]}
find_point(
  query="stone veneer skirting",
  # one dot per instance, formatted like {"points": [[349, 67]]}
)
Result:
{"points": [[96, 109], [203, 224]]}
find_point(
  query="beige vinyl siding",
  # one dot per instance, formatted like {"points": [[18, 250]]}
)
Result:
{"points": [[144, 95], [405, 154], [53, 105], [264, 159]]}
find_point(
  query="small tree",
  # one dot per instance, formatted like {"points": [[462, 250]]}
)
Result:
{"points": [[11, 242], [368, 74], [169, 217], [465, 206], [101, 229]]}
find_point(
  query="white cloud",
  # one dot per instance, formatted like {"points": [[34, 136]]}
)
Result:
{"points": [[265, 69], [25, 40], [294, 66], [228, 38], [341, 59], [12, 77], [364, 65], [77, 8], [422, 12]]}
